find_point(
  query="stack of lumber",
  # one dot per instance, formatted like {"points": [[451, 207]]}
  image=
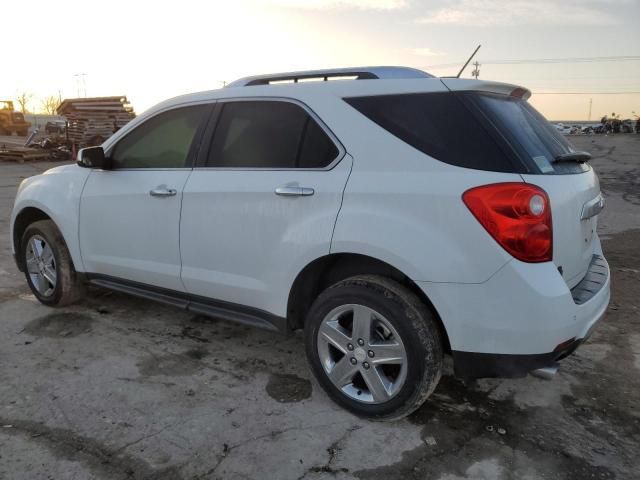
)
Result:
{"points": [[93, 120], [20, 154]]}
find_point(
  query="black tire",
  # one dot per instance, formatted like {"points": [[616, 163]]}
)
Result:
{"points": [[69, 287], [413, 321]]}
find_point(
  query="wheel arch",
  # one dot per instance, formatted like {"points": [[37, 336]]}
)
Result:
{"points": [[25, 217], [330, 269]]}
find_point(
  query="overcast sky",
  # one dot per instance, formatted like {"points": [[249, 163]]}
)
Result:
{"points": [[154, 50]]}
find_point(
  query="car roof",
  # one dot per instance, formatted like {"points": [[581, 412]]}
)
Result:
{"points": [[368, 81]]}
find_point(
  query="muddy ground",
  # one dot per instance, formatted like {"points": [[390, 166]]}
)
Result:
{"points": [[120, 388]]}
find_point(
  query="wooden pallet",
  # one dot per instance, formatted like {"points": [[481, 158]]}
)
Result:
{"points": [[22, 154], [98, 117]]}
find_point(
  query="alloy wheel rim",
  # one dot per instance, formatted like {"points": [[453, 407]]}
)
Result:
{"points": [[362, 353], [41, 266]]}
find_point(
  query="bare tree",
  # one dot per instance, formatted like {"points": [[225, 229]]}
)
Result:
{"points": [[23, 100], [51, 103]]}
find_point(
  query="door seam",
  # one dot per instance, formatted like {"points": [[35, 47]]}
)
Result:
{"points": [[184, 185], [84, 185], [335, 222]]}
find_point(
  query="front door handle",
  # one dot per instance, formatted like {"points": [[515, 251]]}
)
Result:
{"points": [[295, 191], [163, 191]]}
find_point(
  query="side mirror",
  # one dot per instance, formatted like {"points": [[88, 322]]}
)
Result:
{"points": [[93, 157]]}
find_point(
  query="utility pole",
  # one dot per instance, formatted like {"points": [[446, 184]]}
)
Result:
{"points": [[476, 71], [590, 104]]}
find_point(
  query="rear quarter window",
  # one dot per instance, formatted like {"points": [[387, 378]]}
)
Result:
{"points": [[440, 125]]}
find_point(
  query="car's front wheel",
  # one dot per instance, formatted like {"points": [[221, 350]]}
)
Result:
{"points": [[374, 347], [48, 265]]}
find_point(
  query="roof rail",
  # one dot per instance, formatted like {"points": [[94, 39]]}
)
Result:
{"points": [[360, 73]]}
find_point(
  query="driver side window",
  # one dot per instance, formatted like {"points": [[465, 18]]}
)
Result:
{"points": [[162, 141]]}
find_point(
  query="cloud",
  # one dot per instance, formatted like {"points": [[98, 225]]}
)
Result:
{"points": [[487, 13], [337, 4], [427, 52]]}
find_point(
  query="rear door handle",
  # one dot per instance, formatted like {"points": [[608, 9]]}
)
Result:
{"points": [[295, 191], [163, 191]]}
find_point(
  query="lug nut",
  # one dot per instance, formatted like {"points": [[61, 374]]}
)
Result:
{"points": [[371, 354], [360, 342], [350, 346], [365, 365], [353, 361]]}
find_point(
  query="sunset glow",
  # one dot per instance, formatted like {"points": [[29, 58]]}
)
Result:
{"points": [[151, 51]]}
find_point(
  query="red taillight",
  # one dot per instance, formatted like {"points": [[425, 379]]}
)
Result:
{"points": [[517, 216]]}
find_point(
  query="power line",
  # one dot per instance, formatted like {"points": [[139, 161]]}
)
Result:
{"points": [[622, 58], [628, 58]]}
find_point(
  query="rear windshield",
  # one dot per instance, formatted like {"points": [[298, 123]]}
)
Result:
{"points": [[473, 130], [533, 138]]}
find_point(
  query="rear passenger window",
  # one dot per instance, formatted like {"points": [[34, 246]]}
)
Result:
{"points": [[269, 134], [441, 126]]}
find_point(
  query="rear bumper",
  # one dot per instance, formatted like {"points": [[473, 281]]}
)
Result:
{"points": [[523, 318], [481, 365]]}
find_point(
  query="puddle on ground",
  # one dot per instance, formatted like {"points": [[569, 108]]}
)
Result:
{"points": [[196, 353], [288, 388], [60, 325]]}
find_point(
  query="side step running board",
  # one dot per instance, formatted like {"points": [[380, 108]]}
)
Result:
{"points": [[204, 306]]}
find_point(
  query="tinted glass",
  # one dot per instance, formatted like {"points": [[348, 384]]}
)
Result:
{"points": [[268, 134], [536, 141], [162, 141], [317, 150], [440, 125]]}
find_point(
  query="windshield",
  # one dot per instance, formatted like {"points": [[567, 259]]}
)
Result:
{"points": [[528, 132]]}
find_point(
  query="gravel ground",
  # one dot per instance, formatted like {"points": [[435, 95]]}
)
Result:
{"points": [[121, 388]]}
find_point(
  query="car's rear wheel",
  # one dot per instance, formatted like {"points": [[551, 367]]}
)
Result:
{"points": [[48, 266], [374, 347]]}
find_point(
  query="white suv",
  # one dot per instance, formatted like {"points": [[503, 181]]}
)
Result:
{"points": [[393, 216]]}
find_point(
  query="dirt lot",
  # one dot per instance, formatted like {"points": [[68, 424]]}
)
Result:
{"points": [[122, 388]]}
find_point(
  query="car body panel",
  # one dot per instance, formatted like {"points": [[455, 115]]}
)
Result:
{"points": [[57, 193], [243, 243], [523, 309], [127, 233], [573, 236]]}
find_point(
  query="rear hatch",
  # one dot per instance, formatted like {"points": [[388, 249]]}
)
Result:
{"points": [[549, 161]]}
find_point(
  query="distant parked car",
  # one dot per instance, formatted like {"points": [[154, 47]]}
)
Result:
{"points": [[55, 126], [563, 129]]}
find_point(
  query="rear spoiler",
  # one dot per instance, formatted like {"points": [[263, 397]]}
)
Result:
{"points": [[463, 84]]}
